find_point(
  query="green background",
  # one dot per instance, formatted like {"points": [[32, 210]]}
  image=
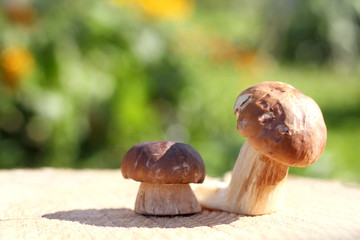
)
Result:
{"points": [[106, 75]]}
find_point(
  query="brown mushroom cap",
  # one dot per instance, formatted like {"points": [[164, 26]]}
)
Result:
{"points": [[163, 163], [282, 123]]}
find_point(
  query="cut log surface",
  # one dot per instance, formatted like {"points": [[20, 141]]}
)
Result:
{"points": [[98, 204]]}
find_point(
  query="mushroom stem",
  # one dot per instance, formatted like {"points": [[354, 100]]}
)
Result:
{"points": [[256, 186], [166, 199]]}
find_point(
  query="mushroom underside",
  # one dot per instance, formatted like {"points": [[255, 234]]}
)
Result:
{"points": [[256, 186], [166, 199]]}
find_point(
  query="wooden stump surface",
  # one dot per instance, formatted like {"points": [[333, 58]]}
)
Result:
{"points": [[98, 204]]}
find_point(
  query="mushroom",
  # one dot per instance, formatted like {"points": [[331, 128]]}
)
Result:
{"points": [[283, 128], [165, 170]]}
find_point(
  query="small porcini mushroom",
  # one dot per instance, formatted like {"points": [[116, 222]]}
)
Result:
{"points": [[283, 128], [165, 170]]}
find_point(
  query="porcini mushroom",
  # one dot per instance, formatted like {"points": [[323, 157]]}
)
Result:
{"points": [[165, 170], [283, 128]]}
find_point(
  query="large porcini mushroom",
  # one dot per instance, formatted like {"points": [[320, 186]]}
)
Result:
{"points": [[165, 170], [283, 128]]}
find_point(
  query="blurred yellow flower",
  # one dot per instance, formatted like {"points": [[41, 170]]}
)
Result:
{"points": [[166, 9], [161, 9], [15, 63]]}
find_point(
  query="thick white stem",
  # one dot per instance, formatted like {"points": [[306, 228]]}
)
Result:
{"points": [[256, 186], [166, 199]]}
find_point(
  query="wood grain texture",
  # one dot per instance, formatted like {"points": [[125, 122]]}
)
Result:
{"points": [[98, 204]]}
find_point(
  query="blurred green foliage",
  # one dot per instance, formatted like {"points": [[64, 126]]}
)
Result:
{"points": [[83, 81]]}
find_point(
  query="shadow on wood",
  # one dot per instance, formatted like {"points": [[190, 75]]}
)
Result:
{"points": [[126, 218]]}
